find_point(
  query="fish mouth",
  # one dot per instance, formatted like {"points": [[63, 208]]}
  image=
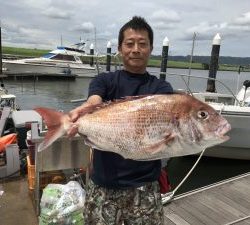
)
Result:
{"points": [[222, 130]]}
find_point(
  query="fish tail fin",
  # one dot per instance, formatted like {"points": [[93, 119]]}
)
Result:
{"points": [[54, 121]]}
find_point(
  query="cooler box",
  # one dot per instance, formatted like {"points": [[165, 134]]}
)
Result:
{"points": [[20, 119]]}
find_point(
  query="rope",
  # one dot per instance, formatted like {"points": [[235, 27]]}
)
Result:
{"points": [[170, 195]]}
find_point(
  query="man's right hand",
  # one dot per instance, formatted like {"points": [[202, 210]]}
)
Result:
{"points": [[73, 117], [74, 114]]}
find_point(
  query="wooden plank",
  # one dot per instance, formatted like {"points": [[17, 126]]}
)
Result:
{"points": [[215, 204], [242, 221], [174, 219], [242, 185], [239, 198], [173, 208], [247, 180], [235, 204], [221, 204], [240, 190], [245, 222], [183, 212], [168, 222], [194, 208], [209, 211]]}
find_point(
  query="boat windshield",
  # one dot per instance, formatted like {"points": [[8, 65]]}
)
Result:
{"points": [[63, 57], [48, 55]]}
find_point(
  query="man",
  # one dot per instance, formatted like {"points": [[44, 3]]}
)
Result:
{"points": [[123, 190]]}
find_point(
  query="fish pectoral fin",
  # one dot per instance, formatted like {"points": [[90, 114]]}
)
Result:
{"points": [[158, 146], [89, 143], [169, 137]]}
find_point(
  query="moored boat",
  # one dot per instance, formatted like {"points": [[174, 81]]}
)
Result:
{"points": [[63, 60]]}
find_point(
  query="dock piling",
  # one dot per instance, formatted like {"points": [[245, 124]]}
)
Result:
{"points": [[164, 59], [91, 52], [214, 63], [108, 56], [1, 63]]}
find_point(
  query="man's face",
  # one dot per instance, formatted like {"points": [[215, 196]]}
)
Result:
{"points": [[135, 50]]}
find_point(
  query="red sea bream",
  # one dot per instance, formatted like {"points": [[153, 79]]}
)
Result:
{"points": [[144, 127]]}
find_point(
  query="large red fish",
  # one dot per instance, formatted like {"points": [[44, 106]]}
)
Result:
{"points": [[144, 127]]}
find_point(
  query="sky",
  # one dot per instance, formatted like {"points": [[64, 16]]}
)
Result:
{"points": [[46, 24]]}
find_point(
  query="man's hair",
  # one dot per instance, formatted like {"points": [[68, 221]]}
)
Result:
{"points": [[136, 23]]}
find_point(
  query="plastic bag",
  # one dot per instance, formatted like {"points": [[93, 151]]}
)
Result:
{"points": [[62, 204]]}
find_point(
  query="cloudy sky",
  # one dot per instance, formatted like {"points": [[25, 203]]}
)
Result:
{"points": [[45, 23]]}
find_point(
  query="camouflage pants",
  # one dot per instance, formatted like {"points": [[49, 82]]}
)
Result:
{"points": [[134, 206]]}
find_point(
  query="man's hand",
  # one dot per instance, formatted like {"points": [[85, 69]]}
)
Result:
{"points": [[73, 117], [77, 112]]}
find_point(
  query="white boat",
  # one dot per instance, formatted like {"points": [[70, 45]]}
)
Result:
{"points": [[236, 109], [61, 61]]}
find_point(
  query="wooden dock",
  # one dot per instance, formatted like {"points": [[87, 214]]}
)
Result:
{"points": [[223, 203]]}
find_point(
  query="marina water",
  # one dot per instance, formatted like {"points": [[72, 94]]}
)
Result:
{"points": [[58, 94]]}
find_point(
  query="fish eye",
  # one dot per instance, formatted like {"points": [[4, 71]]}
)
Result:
{"points": [[202, 115]]}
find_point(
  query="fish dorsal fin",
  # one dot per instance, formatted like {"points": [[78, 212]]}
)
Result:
{"points": [[93, 108], [126, 99]]}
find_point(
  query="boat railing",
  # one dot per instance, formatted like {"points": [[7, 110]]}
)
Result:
{"points": [[188, 88], [117, 61]]}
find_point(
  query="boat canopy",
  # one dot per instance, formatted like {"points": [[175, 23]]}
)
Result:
{"points": [[71, 49], [63, 57]]}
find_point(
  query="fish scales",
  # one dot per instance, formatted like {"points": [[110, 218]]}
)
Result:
{"points": [[131, 127]]}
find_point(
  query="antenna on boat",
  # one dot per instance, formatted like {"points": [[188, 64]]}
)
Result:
{"points": [[191, 57], [95, 37], [61, 41], [238, 79], [1, 63]]}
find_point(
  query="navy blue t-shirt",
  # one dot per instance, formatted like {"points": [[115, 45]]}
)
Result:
{"points": [[111, 170]]}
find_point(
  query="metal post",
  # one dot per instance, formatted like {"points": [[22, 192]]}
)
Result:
{"points": [[108, 56], [1, 64], [164, 58], [214, 63], [61, 41], [191, 58], [91, 53], [238, 79]]}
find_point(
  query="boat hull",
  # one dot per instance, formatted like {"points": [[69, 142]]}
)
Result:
{"points": [[15, 68], [238, 146]]}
